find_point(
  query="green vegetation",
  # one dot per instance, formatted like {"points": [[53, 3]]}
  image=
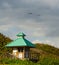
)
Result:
{"points": [[49, 55], [48, 48], [3, 41], [44, 61]]}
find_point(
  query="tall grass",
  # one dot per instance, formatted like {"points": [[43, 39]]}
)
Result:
{"points": [[43, 61]]}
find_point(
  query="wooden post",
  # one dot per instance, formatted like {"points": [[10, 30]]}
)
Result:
{"points": [[23, 52]]}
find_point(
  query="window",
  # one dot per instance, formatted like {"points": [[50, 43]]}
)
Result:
{"points": [[20, 49]]}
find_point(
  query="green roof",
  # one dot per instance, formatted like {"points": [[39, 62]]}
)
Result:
{"points": [[20, 42]]}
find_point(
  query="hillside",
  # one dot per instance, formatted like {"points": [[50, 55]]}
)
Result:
{"points": [[49, 55], [46, 51], [3, 41], [48, 48]]}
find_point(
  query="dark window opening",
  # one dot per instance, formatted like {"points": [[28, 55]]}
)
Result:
{"points": [[20, 49]]}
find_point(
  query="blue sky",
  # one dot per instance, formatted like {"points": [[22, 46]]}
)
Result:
{"points": [[38, 19]]}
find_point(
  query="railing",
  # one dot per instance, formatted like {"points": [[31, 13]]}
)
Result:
{"points": [[34, 56], [9, 55]]}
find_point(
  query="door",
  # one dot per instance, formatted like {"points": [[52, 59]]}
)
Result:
{"points": [[20, 55]]}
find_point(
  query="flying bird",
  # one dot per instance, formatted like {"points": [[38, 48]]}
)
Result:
{"points": [[38, 15], [29, 13]]}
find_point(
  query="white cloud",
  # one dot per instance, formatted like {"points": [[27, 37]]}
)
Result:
{"points": [[37, 41], [4, 19], [43, 3], [6, 5], [51, 3], [5, 27], [38, 34]]}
